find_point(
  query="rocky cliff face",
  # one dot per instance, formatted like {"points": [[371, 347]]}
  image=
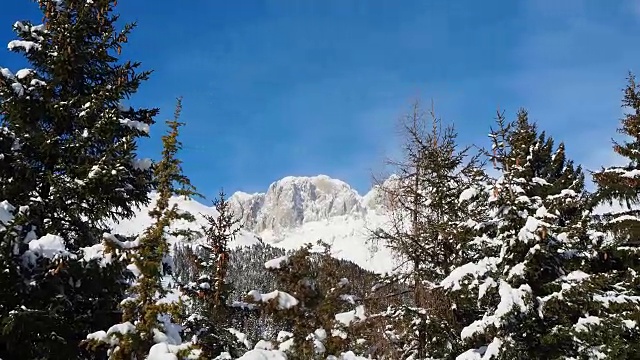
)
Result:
{"points": [[293, 201]]}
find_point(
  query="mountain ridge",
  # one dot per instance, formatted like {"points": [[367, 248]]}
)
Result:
{"points": [[294, 200], [293, 211]]}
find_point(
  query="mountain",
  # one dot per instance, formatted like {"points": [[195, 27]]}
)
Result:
{"points": [[294, 211]]}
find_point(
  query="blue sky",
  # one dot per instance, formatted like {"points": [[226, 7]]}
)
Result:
{"points": [[276, 88]]}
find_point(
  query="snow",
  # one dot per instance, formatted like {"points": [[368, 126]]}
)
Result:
{"points": [[242, 337], [260, 354], [96, 252], [346, 318], [122, 244], [348, 236], [631, 324], [166, 351], [7, 74], [625, 218], [141, 220], [277, 262], [510, 299], [517, 270], [542, 212], [486, 285], [137, 125], [293, 201], [6, 213], [631, 173], [564, 193], [493, 350], [583, 323], [528, 230], [577, 275], [452, 281], [37, 82], [284, 335], [467, 194], [33, 29], [18, 88], [23, 73], [539, 181], [349, 355], [122, 328], [264, 345], [607, 299], [472, 354], [49, 246], [624, 173], [284, 300], [348, 233], [28, 46]]}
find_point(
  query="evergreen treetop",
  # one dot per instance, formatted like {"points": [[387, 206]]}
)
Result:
{"points": [[68, 164], [428, 225], [148, 317], [525, 248], [620, 185], [69, 139], [210, 308]]}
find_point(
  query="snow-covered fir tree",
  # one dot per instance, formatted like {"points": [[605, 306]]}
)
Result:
{"points": [[609, 292], [316, 305], [508, 296], [68, 165], [150, 325], [210, 314], [426, 231]]}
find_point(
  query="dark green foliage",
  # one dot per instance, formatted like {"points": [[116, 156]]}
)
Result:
{"points": [[424, 197], [428, 227], [71, 136], [69, 160], [615, 266], [312, 278], [620, 186], [534, 236], [143, 308], [210, 313], [246, 272]]}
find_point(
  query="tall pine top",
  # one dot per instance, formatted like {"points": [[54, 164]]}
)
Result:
{"points": [[66, 134]]}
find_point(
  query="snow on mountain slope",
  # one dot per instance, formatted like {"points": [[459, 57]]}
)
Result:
{"points": [[142, 220], [347, 235], [298, 210]]}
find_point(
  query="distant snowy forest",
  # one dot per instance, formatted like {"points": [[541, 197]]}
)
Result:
{"points": [[502, 251]]}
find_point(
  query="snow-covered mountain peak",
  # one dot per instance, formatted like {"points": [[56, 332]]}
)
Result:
{"points": [[293, 201], [294, 211]]}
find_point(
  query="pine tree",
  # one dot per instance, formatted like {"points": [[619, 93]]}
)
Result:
{"points": [[619, 185], [68, 166], [612, 310], [210, 311], [525, 249], [315, 304], [428, 227], [147, 318]]}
